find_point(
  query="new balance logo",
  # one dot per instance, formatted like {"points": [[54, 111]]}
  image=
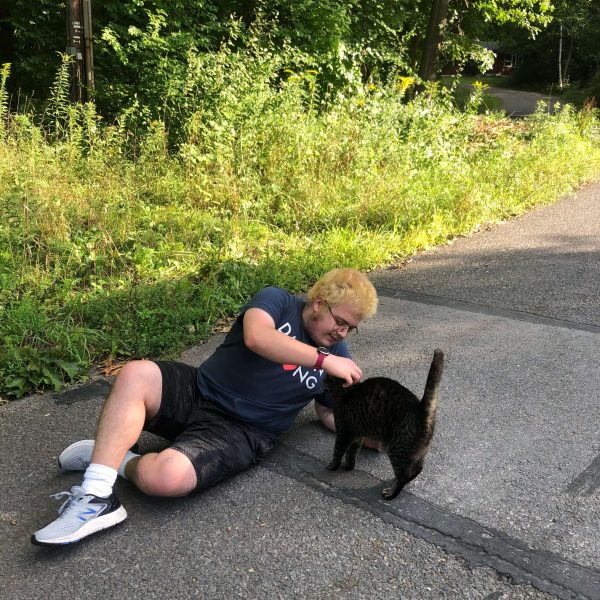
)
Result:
{"points": [[89, 513]]}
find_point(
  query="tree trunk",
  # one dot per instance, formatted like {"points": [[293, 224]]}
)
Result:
{"points": [[439, 11], [568, 63], [560, 44]]}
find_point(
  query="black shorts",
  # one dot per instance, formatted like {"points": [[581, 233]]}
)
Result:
{"points": [[218, 445]]}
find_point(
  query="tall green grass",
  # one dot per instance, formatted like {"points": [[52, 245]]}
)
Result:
{"points": [[131, 240]]}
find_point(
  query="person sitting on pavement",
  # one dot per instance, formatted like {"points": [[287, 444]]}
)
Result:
{"points": [[221, 417]]}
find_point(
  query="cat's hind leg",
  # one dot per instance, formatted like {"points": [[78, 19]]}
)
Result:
{"points": [[351, 454], [404, 472], [342, 442]]}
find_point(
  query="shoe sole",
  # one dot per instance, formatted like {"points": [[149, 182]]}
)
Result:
{"points": [[93, 526]]}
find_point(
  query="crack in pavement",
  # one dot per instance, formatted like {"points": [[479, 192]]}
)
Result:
{"points": [[479, 545]]}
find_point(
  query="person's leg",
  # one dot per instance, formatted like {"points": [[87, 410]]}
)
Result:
{"points": [[135, 398], [212, 447], [166, 473], [93, 506]]}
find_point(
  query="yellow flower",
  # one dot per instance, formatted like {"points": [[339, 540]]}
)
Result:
{"points": [[404, 83]]}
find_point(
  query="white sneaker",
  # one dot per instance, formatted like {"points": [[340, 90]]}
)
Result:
{"points": [[77, 456], [80, 515]]}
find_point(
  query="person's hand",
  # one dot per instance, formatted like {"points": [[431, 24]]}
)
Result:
{"points": [[343, 368]]}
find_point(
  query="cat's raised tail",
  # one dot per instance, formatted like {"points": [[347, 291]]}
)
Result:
{"points": [[429, 401]]}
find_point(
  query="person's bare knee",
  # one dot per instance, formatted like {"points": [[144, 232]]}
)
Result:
{"points": [[135, 398], [168, 473], [140, 380]]}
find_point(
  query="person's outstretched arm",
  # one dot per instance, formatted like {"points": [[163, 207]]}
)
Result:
{"points": [[261, 337]]}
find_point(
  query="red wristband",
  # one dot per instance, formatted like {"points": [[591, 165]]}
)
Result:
{"points": [[320, 359], [322, 352]]}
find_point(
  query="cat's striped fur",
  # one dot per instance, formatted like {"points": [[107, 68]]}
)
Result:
{"points": [[383, 410]]}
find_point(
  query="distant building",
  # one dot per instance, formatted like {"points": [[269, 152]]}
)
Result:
{"points": [[505, 62]]}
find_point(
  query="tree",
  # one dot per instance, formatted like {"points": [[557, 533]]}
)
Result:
{"points": [[577, 22], [437, 22], [456, 25], [142, 48], [140, 44], [547, 60]]}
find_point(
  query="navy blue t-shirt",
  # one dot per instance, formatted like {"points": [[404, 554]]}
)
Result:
{"points": [[257, 390]]}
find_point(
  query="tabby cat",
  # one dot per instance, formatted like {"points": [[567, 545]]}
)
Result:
{"points": [[383, 410]]}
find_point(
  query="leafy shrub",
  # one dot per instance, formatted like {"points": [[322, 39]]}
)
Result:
{"points": [[40, 350], [118, 239]]}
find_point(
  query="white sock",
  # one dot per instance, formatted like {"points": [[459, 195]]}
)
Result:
{"points": [[99, 480], [123, 464]]}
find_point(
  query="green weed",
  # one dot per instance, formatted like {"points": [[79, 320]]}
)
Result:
{"points": [[133, 239]]}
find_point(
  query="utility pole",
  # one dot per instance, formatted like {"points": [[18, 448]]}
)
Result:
{"points": [[79, 47]]}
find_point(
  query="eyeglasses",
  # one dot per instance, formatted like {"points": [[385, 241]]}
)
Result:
{"points": [[340, 324]]}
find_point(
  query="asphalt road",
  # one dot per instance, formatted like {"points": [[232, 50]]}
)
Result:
{"points": [[507, 506], [517, 103]]}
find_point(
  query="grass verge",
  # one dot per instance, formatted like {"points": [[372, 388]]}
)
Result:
{"points": [[113, 245]]}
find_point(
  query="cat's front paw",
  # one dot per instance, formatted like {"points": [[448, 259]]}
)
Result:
{"points": [[349, 465], [333, 465]]}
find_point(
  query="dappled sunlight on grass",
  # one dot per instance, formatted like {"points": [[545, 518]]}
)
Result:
{"points": [[113, 245]]}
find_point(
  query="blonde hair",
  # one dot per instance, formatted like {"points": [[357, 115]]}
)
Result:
{"points": [[349, 286]]}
